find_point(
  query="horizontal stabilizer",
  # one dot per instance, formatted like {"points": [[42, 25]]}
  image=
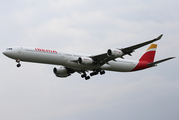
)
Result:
{"points": [[154, 63]]}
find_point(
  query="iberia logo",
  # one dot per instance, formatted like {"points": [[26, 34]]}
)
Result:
{"points": [[45, 50]]}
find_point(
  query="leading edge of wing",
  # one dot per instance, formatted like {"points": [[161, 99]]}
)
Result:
{"points": [[129, 50]]}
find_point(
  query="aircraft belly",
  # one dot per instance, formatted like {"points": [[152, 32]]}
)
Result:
{"points": [[76, 66], [120, 66]]}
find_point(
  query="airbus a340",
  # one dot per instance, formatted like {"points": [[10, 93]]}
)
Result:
{"points": [[68, 63]]}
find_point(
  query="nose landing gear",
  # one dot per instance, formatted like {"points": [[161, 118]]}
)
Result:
{"points": [[18, 65], [18, 61]]}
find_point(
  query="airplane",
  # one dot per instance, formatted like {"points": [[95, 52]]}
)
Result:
{"points": [[69, 63]]}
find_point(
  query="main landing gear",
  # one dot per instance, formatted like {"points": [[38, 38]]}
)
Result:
{"points": [[95, 72], [18, 61], [84, 75]]}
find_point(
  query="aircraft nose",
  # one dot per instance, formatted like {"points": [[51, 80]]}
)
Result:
{"points": [[4, 52]]}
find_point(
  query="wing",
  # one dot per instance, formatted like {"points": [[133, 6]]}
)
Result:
{"points": [[101, 59], [131, 49]]}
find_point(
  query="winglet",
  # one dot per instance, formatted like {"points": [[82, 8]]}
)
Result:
{"points": [[159, 37]]}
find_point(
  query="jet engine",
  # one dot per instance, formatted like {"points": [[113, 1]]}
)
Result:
{"points": [[85, 60], [114, 53], [61, 72]]}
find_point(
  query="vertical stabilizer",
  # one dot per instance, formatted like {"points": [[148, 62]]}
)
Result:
{"points": [[149, 55]]}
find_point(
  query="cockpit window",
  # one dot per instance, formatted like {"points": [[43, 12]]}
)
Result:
{"points": [[9, 49]]}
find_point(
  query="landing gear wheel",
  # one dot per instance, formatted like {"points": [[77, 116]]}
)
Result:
{"points": [[92, 74], [102, 72], [18, 65], [18, 61], [83, 75], [87, 77]]}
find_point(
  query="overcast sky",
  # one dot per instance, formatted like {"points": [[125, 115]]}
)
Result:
{"points": [[33, 92]]}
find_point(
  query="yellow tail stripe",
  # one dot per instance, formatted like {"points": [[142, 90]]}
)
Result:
{"points": [[152, 46]]}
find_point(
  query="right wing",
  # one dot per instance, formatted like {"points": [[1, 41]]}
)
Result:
{"points": [[101, 59], [129, 50]]}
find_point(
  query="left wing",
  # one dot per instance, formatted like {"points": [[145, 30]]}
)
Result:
{"points": [[101, 59]]}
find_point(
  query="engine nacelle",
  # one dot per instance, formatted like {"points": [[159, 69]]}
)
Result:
{"points": [[85, 60], [61, 72], [114, 53]]}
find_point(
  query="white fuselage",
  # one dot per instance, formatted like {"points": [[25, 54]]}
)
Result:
{"points": [[68, 60]]}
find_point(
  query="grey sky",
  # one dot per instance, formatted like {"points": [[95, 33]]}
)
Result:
{"points": [[89, 26]]}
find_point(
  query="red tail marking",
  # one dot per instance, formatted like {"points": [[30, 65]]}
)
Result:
{"points": [[141, 65], [148, 57]]}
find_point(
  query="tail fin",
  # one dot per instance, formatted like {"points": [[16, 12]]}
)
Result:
{"points": [[149, 55]]}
